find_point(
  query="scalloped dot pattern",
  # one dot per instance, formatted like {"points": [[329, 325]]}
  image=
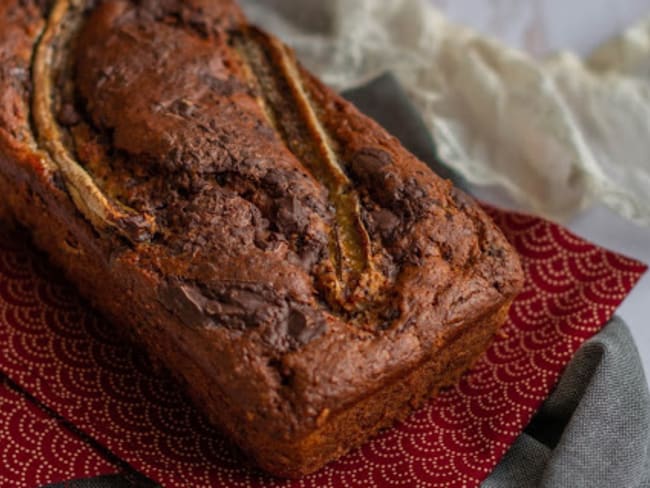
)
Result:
{"points": [[35, 449]]}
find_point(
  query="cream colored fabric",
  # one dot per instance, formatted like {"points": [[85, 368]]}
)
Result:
{"points": [[557, 133]]}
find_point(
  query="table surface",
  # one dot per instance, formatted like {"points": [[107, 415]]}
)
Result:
{"points": [[544, 26]]}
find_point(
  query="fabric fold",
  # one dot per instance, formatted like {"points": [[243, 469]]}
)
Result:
{"points": [[594, 429]]}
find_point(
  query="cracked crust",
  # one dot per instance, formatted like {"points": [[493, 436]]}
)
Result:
{"points": [[304, 276]]}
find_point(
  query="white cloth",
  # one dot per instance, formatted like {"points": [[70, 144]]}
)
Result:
{"points": [[557, 133]]}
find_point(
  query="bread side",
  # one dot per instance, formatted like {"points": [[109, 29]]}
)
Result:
{"points": [[305, 277]]}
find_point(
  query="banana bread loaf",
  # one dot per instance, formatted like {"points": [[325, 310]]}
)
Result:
{"points": [[303, 276]]}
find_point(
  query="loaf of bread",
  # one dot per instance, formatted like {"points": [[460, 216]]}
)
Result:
{"points": [[306, 279]]}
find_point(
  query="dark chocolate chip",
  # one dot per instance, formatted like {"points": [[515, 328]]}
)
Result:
{"points": [[261, 240], [367, 167], [185, 302], [311, 333], [241, 306], [275, 182], [67, 115], [290, 216], [246, 300], [386, 222], [297, 322], [369, 160], [303, 326]]}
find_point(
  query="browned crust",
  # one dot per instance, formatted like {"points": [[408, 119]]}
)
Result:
{"points": [[335, 433], [351, 428], [339, 388]]}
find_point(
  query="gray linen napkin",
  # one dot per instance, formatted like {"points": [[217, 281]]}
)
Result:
{"points": [[594, 429]]}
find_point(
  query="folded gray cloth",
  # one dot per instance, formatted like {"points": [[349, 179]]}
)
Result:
{"points": [[594, 430]]}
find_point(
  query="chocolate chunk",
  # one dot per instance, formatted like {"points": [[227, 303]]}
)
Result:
{"points": [[385, 222], [368, 166], [297, 322], [369, 161], [233, 305], [246, 300], [261, 240], [275, 182], [241, 306], [290, 216], [372, 168], [311, 333], [67, 115], [408, 199], [186, 302], [303, 328]]}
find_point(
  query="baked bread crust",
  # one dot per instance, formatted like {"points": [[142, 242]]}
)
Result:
{"points": [[306, 278]]}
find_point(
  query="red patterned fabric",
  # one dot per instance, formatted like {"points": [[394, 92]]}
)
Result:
{"points": [[60, 352], [35, 449]]}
